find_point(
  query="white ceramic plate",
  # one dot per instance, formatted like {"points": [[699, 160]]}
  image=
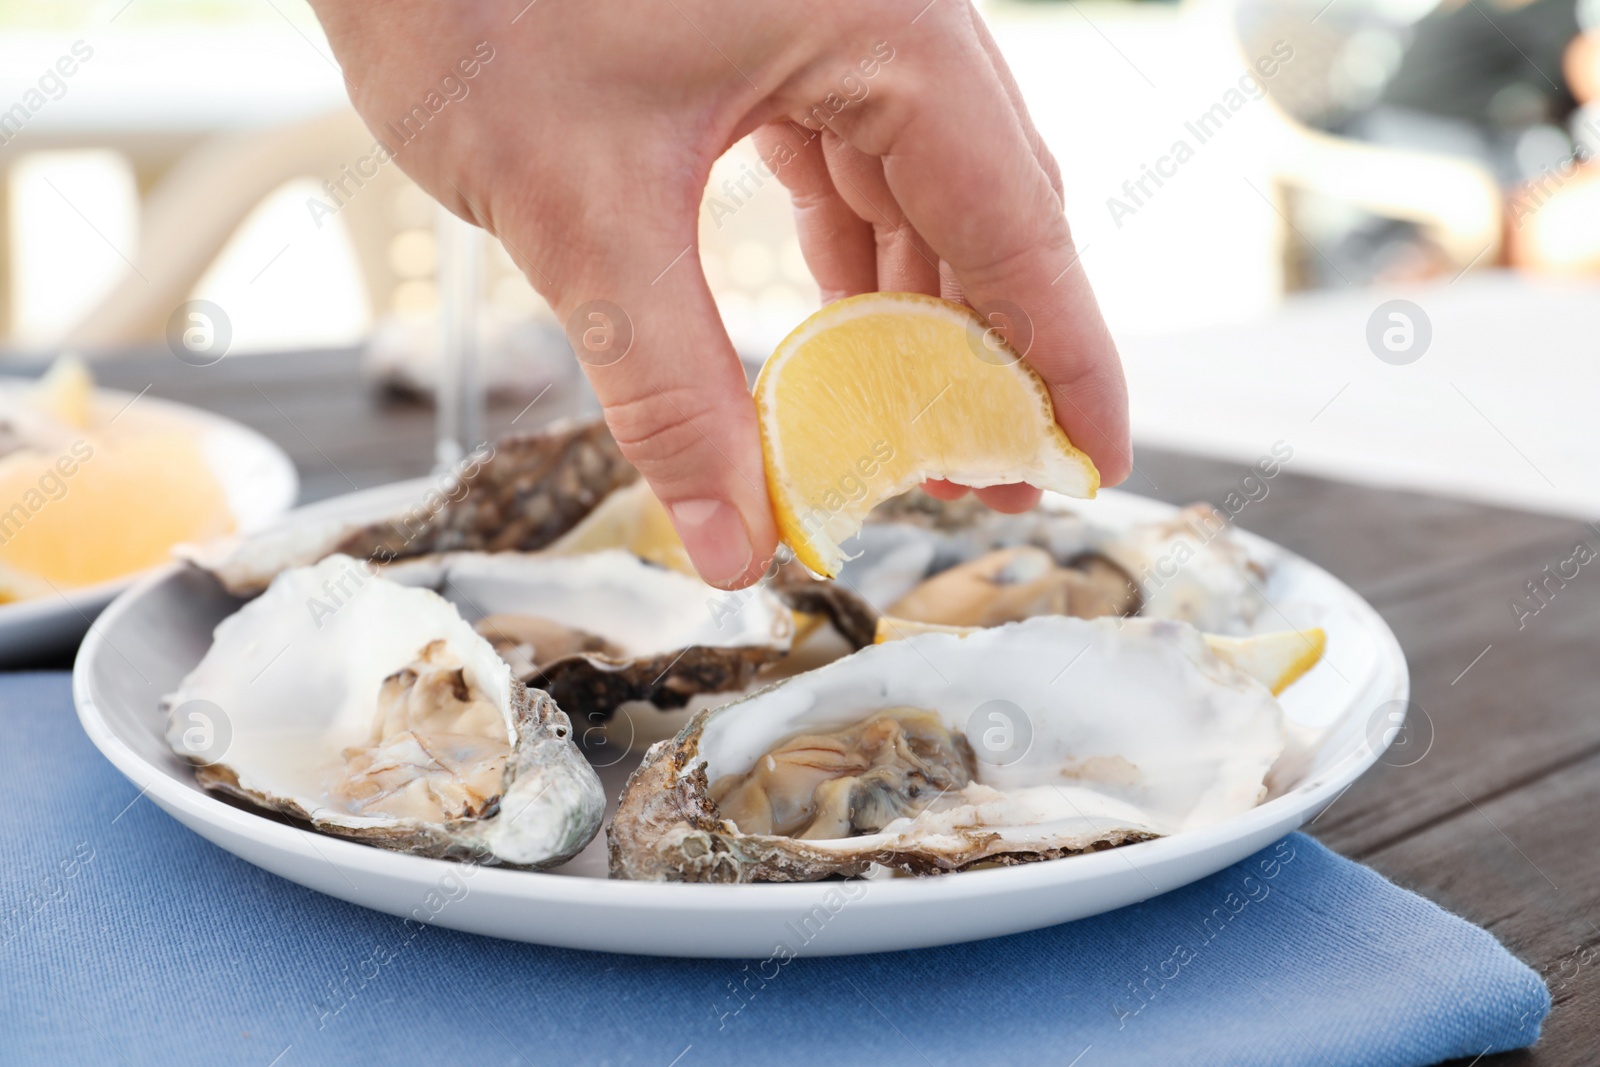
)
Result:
{"points": [[256, 475], [156, 632]]}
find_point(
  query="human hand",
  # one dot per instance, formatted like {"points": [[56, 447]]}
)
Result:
{"points": [[584, 136]]}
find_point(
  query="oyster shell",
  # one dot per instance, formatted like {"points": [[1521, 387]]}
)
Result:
{"points": [[375, 712], [955, 563], [603, 628], [523, 493], [1029, 741], [1189, 568]]}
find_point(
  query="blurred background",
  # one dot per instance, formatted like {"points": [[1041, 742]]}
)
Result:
{"points": [[1252, 184]]}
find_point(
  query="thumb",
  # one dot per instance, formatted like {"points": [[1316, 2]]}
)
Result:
{"points": [[648, 336]]}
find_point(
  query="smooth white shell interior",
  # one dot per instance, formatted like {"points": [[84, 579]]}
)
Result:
{"points": [[644, 609], [1076, 724], [295, 674], [1191, 569]]}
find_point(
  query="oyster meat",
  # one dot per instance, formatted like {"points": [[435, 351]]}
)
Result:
{"points": [[1012, 584], [375, 712], [1028, 741], [954, 563], [852, 781]]}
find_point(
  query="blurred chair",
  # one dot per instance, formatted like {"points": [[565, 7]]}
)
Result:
{"points": [[191, 212], [211, 186], [1111, 85]]}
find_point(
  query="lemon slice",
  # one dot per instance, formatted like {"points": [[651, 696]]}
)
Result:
{"points": [[631, 518], [891, 628], [1276, 660], [875, 393]]}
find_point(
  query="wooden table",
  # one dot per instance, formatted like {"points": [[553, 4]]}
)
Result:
{"points": [[1499, 822]]}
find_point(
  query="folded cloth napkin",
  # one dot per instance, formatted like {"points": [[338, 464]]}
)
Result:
{"points": [[126, 939]]}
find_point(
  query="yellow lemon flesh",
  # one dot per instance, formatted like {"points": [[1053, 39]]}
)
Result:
{"points": [[1276, 660], [876, 393], [631, 518]]}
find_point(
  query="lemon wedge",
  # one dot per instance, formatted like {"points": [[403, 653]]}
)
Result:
{"points": [[631, 518], [1276, 660], [876, 393]]}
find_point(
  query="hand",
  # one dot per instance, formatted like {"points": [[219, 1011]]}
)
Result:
{"points": [[584, 136]]}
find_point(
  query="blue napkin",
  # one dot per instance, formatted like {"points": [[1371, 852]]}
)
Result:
{"points": [[125, 939]]}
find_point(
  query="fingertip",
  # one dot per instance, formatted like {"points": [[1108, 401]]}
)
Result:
{"points": [[1113, 458], [1010, 499], [765, 553], [940, 489], [1093, 412], [717, 539], [1117, 470]]}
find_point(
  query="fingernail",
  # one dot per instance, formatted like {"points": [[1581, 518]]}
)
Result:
{"points": [[715, 536]]}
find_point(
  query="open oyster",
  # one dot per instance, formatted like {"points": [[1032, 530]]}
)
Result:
{"points": [[1012, 584], [375, 712], [522, 493], [955, 563], [1029, 741], [1191, 569], [602, 628]]}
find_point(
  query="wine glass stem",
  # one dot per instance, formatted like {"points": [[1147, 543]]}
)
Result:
{"points": [[459, 395]]}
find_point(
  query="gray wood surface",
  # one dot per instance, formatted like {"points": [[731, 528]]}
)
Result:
{"points": [[1498, 822]]}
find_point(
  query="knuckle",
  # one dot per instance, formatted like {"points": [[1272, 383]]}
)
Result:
{"points": [[1022, 259], [658, 431], [886, 118], [1052, 170]]}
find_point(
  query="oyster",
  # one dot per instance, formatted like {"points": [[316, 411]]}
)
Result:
{"points": [[1029, 741], [1012, 584], [1189, 568], [956, 563], [602, 628], [523, 493], [375, 712], [852, 781]]}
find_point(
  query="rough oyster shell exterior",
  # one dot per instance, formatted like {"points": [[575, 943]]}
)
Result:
{"points": [[529, 491]]}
